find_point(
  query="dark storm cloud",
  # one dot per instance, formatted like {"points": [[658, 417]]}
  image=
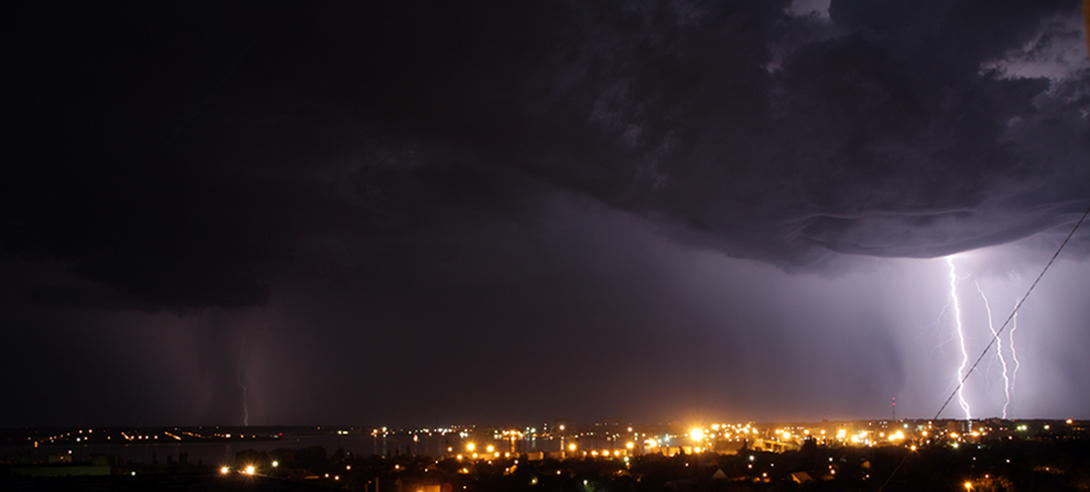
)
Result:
{"points": [[883, 138], [549, 198], [884, 135], [210, 150]]}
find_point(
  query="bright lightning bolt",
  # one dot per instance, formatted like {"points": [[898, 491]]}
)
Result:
{"points": [[998, 350], [961, 337]]}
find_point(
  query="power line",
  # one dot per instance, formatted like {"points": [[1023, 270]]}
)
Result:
{"points": [[995, 337], [1015, 311]]}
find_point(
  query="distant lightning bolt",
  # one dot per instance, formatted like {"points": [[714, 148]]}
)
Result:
{"points": [[1014, 314], [961, 337], [998, 351], [1014, 353], [245, 405]]}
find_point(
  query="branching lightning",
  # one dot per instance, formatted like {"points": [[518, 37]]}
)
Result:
{"points": [[1012, 318], [961, 338], [998, 351]]}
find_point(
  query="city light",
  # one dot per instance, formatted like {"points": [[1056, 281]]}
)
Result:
{"points": [[610, 444]]}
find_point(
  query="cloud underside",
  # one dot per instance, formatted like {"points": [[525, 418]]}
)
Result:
{"points": [[198, 166]]}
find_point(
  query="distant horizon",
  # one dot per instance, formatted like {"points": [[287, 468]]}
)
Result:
{"points": [[579, 425]]}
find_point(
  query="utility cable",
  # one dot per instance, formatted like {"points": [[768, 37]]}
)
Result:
{"points": [[1014, 312], [995, 337]]}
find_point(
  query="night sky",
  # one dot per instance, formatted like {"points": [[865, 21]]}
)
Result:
{"points": [[411, 212]]}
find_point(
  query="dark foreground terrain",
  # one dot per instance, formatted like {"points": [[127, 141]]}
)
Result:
{"points": [[999, 465]]}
